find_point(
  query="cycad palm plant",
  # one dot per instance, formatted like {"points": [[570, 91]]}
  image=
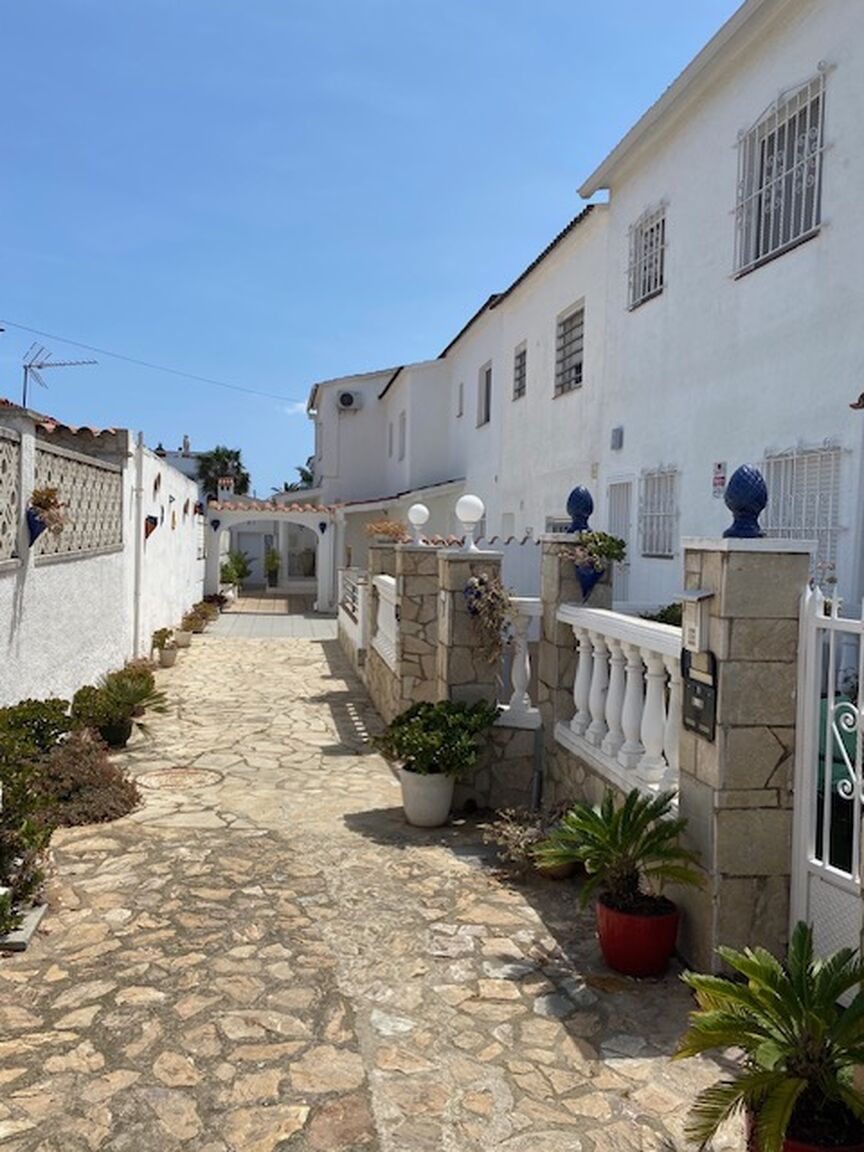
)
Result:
{"points": [[629, 851], [799, 1045]]}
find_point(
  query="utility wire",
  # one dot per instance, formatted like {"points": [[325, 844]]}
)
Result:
{"points": [[148, 364]]}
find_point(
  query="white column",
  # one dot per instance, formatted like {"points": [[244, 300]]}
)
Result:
{"points": [[631, 750], [673, 717], [652, 766], [520, 667], [582, 682], [597, 693], [615, 698]]}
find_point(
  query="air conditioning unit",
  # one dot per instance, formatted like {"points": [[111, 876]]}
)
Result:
{"points": [[349, 401]]}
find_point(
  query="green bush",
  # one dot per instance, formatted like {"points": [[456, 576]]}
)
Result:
{"points": [[25, 826], [437, 738], [39, 723], [670, 614]]}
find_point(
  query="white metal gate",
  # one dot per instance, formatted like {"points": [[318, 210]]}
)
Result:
{"points": [[620, 505], [826, 864]]}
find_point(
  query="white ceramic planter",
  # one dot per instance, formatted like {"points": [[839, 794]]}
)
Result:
{"points": [[182, 639], [167, 657], [426, 799]]}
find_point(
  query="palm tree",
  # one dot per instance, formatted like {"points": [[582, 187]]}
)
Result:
{"points": [[307, 480], [222, 461]]}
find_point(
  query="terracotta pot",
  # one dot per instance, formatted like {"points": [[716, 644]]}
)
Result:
{"points": [[791, 1145], [426, 799], [634, 944]]}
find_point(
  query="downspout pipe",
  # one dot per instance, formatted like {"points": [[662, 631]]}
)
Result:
{"points": [[138, 529]]}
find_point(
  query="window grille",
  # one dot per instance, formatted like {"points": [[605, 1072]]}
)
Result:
{"points": [[780, 176], [484, 396], [647, 256], [520, 372], [402, 435], [570, 339], [658, 513], [804, 501]]}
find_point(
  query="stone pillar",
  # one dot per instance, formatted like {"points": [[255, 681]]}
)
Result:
{"points": [[463, 673], [736, 792], [416, 570]]}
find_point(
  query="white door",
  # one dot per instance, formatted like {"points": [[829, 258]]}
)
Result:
{"points": [[620, 513]]}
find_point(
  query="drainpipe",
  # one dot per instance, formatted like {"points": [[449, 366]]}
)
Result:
{"points": [[138, 529]]}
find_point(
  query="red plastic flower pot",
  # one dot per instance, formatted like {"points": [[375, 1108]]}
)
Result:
{"points": [[635, 944], [790, 1145]]}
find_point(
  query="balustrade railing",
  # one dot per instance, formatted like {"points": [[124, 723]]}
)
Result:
{"points": [[518, 710], [387, 625], [354, 606], [626, 697]]}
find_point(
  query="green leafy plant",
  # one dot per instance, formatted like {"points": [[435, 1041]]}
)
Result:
{"points": [[629, 851], [595, 549], [194, 621], [221, 462], [272, 561], [240, 566], [437, 738], [162, 638], [40, 724], [800, 1048], [491, 611], [25, 827], [207, 609], [669, 614]]}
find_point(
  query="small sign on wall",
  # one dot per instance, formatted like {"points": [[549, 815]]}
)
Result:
{"points": [[719, 484]]}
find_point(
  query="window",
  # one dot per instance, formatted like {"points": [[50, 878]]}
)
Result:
{"points": [[484, 395], [647, 256], [520, 371], [658, 513], [390, 438], [402, 435], [804, 500], [460, 399], [568, 351], [780, 176]]}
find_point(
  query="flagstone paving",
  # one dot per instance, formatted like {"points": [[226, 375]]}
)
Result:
{"points": [[266, 957]]}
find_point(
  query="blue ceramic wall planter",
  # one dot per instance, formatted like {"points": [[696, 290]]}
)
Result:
{"points": [[35, 525], [746, 496], [589, 577]]}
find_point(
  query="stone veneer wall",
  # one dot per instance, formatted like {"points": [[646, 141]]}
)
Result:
{"points": [[565, 777], [381, 681], [417, 596], [737, 791]]}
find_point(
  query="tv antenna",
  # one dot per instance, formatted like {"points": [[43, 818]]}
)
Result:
{"points": [[36, 360]]}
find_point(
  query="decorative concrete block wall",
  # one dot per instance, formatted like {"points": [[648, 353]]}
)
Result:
{"points": [[736, 792]]}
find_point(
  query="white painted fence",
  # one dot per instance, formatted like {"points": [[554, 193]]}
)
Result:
{"points": [[626, 696], [387, 627], [354, 607], [518, 709]]}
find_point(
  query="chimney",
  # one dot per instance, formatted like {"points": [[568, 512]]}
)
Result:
{"points": [[186, 445], [225, 488]]}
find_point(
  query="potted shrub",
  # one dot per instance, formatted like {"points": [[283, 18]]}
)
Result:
{"points": [[434, 745], [800, 1048], [45, 512], [182, 636], [114, 706], [271, 567], [592, 555], [629, 852], [193, 622], [163, 643]]}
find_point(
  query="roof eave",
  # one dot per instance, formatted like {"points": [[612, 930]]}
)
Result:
{"points": [[679, 89]]}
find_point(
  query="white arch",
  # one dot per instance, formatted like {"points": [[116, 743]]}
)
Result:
{"points": [[321, 521]]}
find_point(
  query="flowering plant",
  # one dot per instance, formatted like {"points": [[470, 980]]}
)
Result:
{"points": [[45, 502], [594, 549], [492, 611]]}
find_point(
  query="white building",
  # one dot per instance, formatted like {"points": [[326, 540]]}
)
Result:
{"points": [[706, 316]]}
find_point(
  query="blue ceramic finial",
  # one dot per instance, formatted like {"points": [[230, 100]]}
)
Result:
{"points": [[746, 496], [580, 505]]}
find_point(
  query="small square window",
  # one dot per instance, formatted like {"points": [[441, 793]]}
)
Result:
{"points": [[520, 371], [569, 345]]}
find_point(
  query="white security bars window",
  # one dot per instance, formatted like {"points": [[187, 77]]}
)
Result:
{"points": [[569, 343], [804, 502], [647, 256], [402, 435], [780, 176], [520, 371], [484, 396], [658, 513]]}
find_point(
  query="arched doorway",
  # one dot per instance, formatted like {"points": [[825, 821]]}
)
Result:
{"points": [[301, 537]]}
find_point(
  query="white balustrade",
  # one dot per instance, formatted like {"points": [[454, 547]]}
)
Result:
{"points": [[627, 694], [520, 712], [354, 607], [386, 635]]}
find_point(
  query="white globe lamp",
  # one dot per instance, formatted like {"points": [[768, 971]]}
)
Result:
{"points": [[469, 513], [418, 515]]}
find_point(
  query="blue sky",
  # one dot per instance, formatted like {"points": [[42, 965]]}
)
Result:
{"points": [[273, 192]]}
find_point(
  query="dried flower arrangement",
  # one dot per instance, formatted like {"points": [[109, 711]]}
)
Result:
{"points": [[492, 612], [393, 530], [45, 502], [595, 549]]}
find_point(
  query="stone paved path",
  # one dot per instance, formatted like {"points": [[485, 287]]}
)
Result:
{"points": [[265, 957]]}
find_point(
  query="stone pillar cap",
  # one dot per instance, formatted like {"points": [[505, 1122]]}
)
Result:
{"points": [[760, 544]]}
